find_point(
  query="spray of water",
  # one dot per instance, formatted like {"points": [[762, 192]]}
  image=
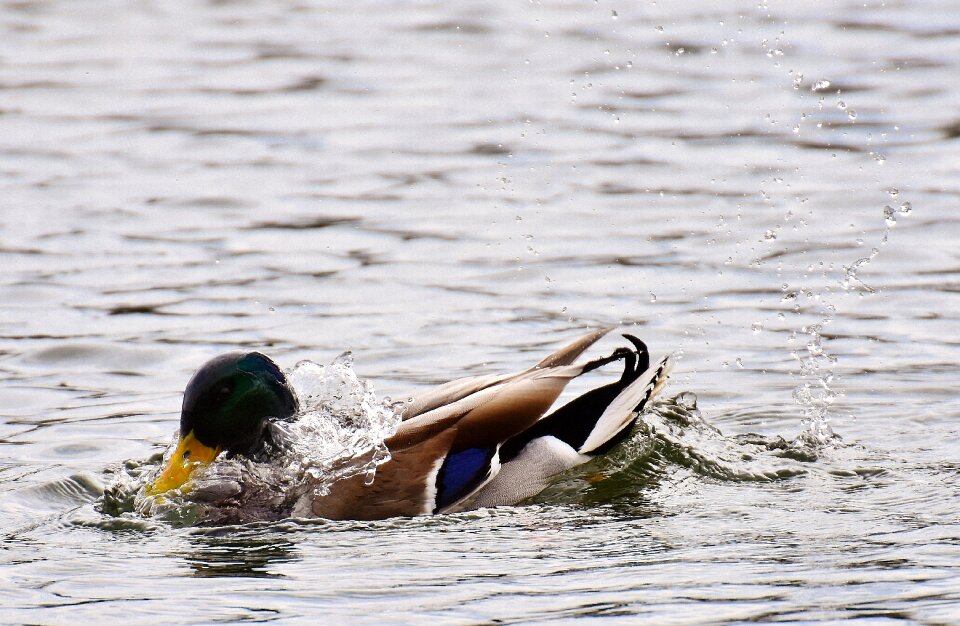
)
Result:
{"points": [[341, 429], [816, 392]]}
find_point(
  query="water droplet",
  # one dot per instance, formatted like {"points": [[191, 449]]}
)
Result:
{"points": [[756, 327], [852, 115], [653, 297], [906, 208], [770, 235], [820, 85], [659, 29], [614, 15], [739, 362], [679, 51], [841, 105], [889, 217], [687, 400]]}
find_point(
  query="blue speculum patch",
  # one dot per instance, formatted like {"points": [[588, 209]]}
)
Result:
{"points": [[460, 473]]}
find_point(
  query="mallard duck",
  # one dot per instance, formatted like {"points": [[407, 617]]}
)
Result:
{"points": [[470, 443]]}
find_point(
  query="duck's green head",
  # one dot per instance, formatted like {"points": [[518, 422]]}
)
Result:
{"points": [[226, 406]]}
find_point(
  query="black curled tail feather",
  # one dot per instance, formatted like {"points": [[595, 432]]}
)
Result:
{"points": [[574, 422], [643, 354]]}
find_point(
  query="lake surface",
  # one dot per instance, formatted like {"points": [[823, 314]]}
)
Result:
{"points": [[771, 190]]}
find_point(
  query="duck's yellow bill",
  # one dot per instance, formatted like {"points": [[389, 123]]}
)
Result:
{"points": [[189, 455]]}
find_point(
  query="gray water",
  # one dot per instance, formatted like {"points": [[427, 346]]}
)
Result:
{"points": [[769, 189]]}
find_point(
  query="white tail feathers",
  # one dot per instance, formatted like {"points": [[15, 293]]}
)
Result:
{"points": [[622, 411]]}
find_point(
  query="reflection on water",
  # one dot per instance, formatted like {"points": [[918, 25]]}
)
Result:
{"points": [[445, 190], [238, 552]]}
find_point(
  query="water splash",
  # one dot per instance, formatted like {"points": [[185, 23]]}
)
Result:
{"points": [[674, 434], [679, 434], [815, 394], [341, 429]]}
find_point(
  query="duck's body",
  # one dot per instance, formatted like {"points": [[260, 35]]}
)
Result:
{"points": [[474, 442]]}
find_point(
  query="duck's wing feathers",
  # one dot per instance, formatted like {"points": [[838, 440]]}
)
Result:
{"points": [[486, 420], [455, 390], [595, 421], [441, 457], [494, 414], [589, 425], [483, 421], [450, 392], [569, 353]]}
